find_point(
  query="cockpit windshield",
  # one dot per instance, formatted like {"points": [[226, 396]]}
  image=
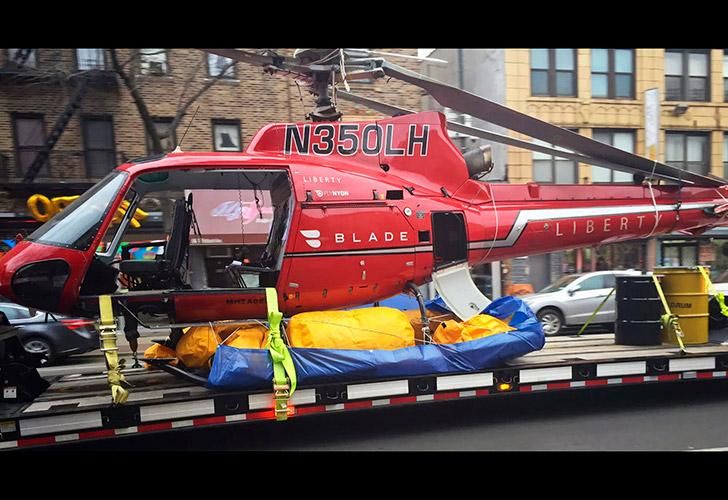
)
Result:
{"points": [[89, 211]]}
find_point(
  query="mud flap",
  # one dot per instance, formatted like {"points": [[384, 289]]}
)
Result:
{"points": [[457, 289]]}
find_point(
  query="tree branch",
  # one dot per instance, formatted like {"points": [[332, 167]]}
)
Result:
{"points": [[140, 104], [209, 83]]}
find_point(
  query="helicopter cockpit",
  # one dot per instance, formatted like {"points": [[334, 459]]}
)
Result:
{"points": [[197, 210], [203, 207], [173, 232]]}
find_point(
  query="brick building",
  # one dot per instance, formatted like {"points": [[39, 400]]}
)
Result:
{"points": [[600, 93], [106, 129]]}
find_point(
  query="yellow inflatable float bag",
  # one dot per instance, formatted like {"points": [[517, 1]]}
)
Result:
{"points": [[370, 328], [159, 351], [482, 325], [251, 336], [197, 346], [448, 332]]}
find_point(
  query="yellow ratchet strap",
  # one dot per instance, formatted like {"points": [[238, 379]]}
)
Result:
{"points": [[107, 334], [599, 307], [284, 373], [669, 319], [719, 297]]}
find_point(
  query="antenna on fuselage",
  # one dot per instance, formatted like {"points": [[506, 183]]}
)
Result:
{"points": [[177, 148]]}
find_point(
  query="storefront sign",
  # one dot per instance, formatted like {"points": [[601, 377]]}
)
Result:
{"points": [[219, 213], [706, 253], [652, 122]]}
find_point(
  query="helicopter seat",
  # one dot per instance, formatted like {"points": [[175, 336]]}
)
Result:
{"points": [[165, 272]]}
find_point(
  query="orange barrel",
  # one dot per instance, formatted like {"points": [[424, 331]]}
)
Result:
{"points": [[686, 292]]}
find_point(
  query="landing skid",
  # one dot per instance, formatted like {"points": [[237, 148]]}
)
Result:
{"points": [[164, 364]]}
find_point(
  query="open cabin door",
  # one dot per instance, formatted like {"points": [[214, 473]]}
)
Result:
{"points": [[451, 277]]}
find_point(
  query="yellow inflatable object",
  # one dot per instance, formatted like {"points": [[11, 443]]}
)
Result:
{"points": [[160, 351], [197, 346], [482, 325], [251, 336], [42, 209], [371, 328]]}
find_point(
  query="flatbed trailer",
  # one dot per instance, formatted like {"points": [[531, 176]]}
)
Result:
{"points": [[78, 407]]}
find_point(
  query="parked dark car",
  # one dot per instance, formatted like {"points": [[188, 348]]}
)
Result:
{"points": [[53, 335]]}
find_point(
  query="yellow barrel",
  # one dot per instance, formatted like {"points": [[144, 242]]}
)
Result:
{"points": [[686, 292]]}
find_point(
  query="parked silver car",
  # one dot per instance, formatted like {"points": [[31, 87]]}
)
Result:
{"points": [[572, 299]]}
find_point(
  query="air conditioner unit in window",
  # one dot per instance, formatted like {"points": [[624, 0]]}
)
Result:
{"points": [[155, 67]]}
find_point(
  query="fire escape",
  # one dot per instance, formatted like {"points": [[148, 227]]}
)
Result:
{"points": [[72, 106], [18, 70]]}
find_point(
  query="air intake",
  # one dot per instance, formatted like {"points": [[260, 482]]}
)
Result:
{"points": [[479, 161]]}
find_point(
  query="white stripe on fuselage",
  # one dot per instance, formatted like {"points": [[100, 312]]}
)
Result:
{"points": [[526, 216]]}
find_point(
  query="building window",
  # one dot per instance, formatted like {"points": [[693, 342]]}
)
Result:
{"points": [[216, 65], [686, 75], [98, 143], [168, 143], [22, 57], [153, 61], [725, 75], [87, 59], [621, 139], [688, 150], [612, 73], [226, 135], [30, 138], [551, 169], [725, 154], [553, 72]]}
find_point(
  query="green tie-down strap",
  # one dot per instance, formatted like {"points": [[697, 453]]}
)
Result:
{"points": [[719, 297], [284, 373]]}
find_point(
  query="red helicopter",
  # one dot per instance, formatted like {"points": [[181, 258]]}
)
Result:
{"points": [[361, 210]]}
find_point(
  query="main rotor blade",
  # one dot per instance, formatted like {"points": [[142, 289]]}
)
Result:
{"points": [[497, 114], [390, 109], [407, 56]]}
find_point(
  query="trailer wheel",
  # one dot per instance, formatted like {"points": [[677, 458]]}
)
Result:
{"points": [[551, 320]]}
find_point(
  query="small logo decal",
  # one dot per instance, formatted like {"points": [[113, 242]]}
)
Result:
{"points": [[312, 236]]}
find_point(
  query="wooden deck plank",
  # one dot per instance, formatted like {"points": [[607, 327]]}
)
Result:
{"points": [[671, 352], [609, 349], [575, 347], [566, 345], [580, 338], [522, 362]]}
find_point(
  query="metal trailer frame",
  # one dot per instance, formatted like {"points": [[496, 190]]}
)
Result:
{"points": [[71, 410]]}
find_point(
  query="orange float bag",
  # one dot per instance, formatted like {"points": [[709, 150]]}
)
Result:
{"points": [[482, 325], [159, 351], [197, 346], [249, 336], [370, 328]]}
